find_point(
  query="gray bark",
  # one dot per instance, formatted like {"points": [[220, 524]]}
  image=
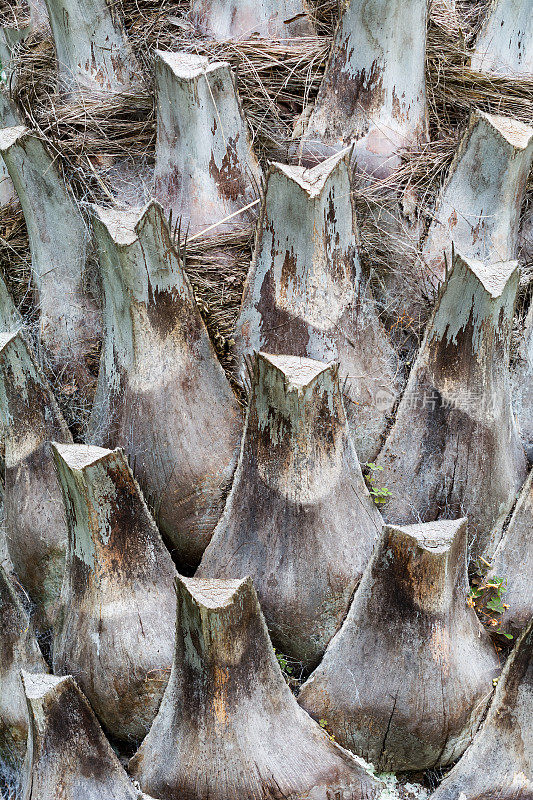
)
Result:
{"points": [[454, 448], [406, 680], [8, 117], [10, 318], [505, 43], [18, 649], [68, 756], [229, 725], [162, 394], [205, 166], [35, 519], [115, 627], [499, 764], [306, 294], [479, 206], [523, 387], [242, 19], [298, 500]]}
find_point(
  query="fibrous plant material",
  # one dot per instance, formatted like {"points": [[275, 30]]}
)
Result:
{"points": [[242, 19], [298, 499], [68, 755], [18, 649], [35, 519], [115, 627], [499, 764], [91, 46], [306, 295], [374, 88], [410, 614], [523, 386], [228, 725], [162, 395], [454, 447], [479, 206], [59, 241], [505, 43], [205, 167]]}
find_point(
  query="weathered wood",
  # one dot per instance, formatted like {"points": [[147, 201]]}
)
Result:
{"points": [[499, 764], [10, 318], [306, 295], [242, 19], [523, 387], [505, 43], [374, 87], [298, 500], [162, 394], [68, 755], [407, 679], [59, 241], [91, 45], [479, 206], [229, 725], [205, 166], [35, 519], [18, 649], [115, 627], [454, 448]]}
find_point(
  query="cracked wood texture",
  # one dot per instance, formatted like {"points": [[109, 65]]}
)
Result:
{"points": [[162, 394], [504, 46], [406, 680], [242, 19], [298, 500], [306, 295], [454, 448], [68, 756], [523, 386], [229, 725], [36, 528], [115, 626], [499, 763]]}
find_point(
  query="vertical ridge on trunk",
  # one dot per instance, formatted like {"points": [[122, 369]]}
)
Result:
{"points": [[523, 387], [374, 88], [35, 520], [10, 318], [162, 395], [18, 649], [406, 680], [242, 19], [298, 499], [499, 763], [229, 725], [306, 295], [479, 206], [205, 167], [505, 43], [68, 755], [454, 447], [115, 627], [59, 242]]}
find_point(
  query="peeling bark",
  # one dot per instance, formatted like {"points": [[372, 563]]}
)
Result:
{"points": [[10, 318], [523, 387], [35, 519], [406, 680], [162, 394], [505, 43], [18, 648], [229, 725], [205, 166], [454, 448], [298, 500], [499, 764], [68, 755], [242, 19], [374, 88], [480, 203], [59, 241], [306, 294]]}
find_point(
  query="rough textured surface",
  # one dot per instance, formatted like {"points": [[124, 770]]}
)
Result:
{"points": [[242, 19], [523, 387], [505, 43], [406, 680], [454, 448], [68, 756], [499, 764], [306, 295], [299, 519], [35, 519], [228, 724], [115, 627], [162, 395], [205, 167]]}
